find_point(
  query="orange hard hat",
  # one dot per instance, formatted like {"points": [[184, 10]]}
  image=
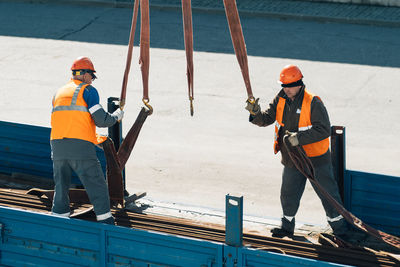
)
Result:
{"points": [[82, 63], [290, 74]]}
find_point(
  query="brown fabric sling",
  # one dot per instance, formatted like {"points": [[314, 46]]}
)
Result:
{"points": [[188, 32], [304, 165], [129, 56], [116, 160], [144, 59], [239, 45]]}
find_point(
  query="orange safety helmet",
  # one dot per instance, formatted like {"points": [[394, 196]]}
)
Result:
{"points": [[290, 74], [82, 63]]}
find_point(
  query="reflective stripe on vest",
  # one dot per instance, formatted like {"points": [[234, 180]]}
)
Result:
{"points": [[70, 117], [73, 105], [278, 123], [314, 149]]}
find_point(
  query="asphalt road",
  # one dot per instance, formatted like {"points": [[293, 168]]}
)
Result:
{"points": [[355, 69]]}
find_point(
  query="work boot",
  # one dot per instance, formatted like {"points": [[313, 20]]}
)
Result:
{"points": [[109, 220], [286, 229], [340, 227]]}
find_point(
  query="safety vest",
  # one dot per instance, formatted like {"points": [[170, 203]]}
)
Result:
{"points": [[70, 117], [312, 150]]}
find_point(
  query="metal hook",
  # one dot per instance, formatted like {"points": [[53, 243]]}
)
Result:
{"points": [[191, 106], [122, 104], [251, 99], [146, 103]]}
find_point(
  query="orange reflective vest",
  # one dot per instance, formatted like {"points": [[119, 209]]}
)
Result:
{"points": [[70, 117], [312, 150]]}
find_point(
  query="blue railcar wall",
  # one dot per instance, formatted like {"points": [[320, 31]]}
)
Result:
{"points": [[26, 149], [33, 239], [28, 238], [375, 199]]}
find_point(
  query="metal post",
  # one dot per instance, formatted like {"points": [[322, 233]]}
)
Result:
{"points": [[338, 152], [115, 131], [234, 221]]}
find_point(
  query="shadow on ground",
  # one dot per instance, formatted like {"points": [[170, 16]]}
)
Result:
{"points": [[305, 40]]}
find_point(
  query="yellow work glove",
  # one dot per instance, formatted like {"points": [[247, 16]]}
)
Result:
{"points": [[253, 108]]}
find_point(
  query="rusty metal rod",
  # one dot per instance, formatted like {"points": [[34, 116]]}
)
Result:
{"points": [[187, 228]]}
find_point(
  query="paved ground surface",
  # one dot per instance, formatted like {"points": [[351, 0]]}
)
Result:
{"points": [[187, 165]]}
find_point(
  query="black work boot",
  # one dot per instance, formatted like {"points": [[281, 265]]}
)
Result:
{"points": [[109, 220], [340, 227], [286, 229]]}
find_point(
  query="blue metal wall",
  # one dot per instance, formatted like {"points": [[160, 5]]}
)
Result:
{"points": [[375, 199], [33, 239], [26, 149]]}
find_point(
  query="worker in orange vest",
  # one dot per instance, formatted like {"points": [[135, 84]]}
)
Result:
{"points": [[303, 118], [75, 115]]}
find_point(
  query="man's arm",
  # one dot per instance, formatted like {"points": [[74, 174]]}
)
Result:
{"points": [[101, 117], [267, 117]]}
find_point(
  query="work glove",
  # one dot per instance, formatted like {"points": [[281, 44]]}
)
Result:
{"points": [[119, 113], [292, 138], [253, 108]]}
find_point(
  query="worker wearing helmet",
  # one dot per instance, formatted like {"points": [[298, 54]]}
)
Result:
{"points": [[75, 115], [303, 119]]}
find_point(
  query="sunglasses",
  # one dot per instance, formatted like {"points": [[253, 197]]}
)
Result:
{"points": [[92, 74], [82, 72]]}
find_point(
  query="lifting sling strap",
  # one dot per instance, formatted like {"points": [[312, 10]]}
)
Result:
{"points": [[188, 32], [130, 139], [113, 174], [116, 160], [304, 165], [129, 56], [239, 45], [144, 60]]}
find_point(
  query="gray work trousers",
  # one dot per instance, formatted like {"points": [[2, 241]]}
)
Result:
{"points": [[293, 184], [91, 175]]}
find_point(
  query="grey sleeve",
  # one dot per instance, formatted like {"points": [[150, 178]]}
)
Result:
{"points": [[321, 126], [101, 117], [267, 117]]}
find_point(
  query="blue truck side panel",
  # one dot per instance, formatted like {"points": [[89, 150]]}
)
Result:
{"points": [[255, 258], [28, 238], [39, 239], [375, 199], [26, 149]]}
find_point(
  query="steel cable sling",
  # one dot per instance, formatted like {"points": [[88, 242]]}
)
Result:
{"points": [[304, 165], [116, 160]]}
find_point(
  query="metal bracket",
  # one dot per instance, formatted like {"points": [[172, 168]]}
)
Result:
{"points": [[115, 131], [338, 151], [234, 221]]}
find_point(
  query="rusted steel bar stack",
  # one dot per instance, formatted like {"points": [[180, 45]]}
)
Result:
{"points": [[183, 227]]}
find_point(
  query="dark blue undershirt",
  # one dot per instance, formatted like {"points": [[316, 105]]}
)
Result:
{"points": [[91, 96]]}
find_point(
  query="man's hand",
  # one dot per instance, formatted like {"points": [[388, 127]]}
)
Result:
{"points": [[253, 108], [119, 113], [292, 138]]}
